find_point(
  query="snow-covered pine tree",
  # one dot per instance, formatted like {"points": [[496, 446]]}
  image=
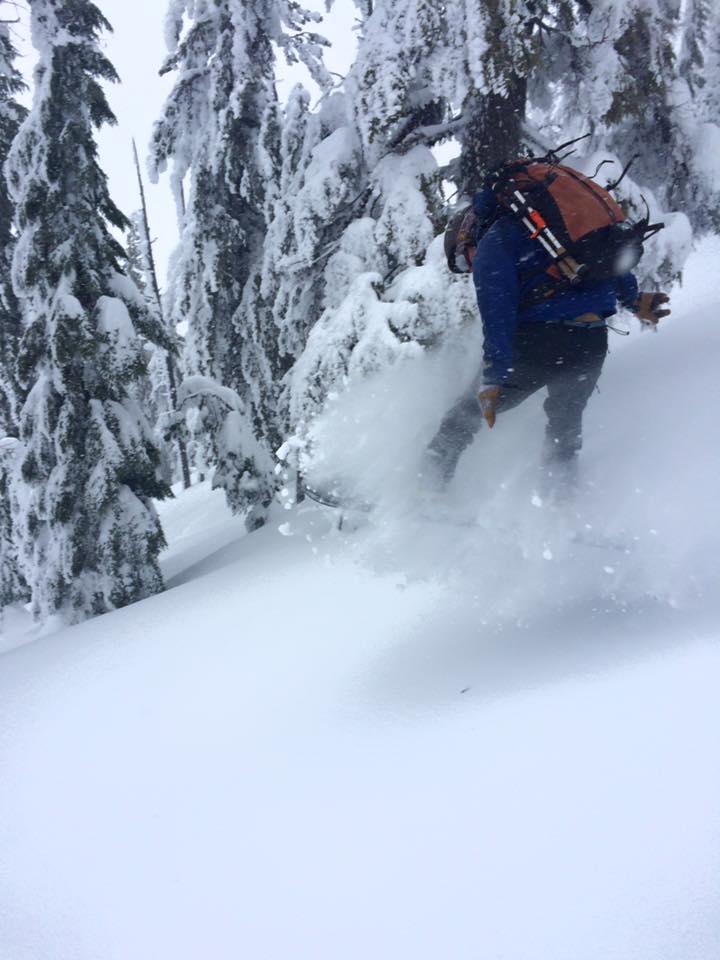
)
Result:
{"points": [[257, 367], [381, 298], [11, 116], [699, 67], [151, 391], [13, 588], [607, 67], [693, 44], [312, 199], [710, 88], [89, 533], [217, 129], [295, 228], [642, 118], [615, 72], [495, 51], [133, 262]]}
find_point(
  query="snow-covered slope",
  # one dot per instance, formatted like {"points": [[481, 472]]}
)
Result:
{"points": [[411, 740]]}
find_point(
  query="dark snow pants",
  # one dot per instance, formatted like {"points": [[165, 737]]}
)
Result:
{"points": [[567, 359]]}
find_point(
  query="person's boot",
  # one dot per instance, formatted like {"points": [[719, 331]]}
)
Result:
{"points": [[433, 474], [559, 478]]}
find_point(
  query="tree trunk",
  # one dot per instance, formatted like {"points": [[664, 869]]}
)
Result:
{"points": [[493, 133]]}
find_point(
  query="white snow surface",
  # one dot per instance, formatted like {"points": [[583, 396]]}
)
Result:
{"points": [[405, 738]]}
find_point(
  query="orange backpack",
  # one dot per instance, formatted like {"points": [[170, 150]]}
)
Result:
{"points": [[578, 223]]}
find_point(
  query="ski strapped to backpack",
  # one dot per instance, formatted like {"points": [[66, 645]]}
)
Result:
{"points": [[577, 222]]}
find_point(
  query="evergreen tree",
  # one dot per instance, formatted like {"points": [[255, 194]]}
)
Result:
{"points": [[616, 73], [699, 67], [255, 370], [693, 46], [283, 285], [642, 118], [528, 72], [88, 531], [151, 391], [11, 116], [710, 86], [309, 204], [219, 127], [499, 48], [134, 261], [381, 298], [13, 588]]}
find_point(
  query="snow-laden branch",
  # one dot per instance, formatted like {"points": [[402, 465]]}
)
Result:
{"points": [[197, 388]]}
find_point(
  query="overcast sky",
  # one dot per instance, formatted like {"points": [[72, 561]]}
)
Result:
{"points": [[137, 48]]}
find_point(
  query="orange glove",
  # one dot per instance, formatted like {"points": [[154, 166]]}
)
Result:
{"points": [[648, 307], [487, 397]]}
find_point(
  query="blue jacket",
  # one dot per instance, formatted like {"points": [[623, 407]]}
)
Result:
{"points": [[508, 265]]}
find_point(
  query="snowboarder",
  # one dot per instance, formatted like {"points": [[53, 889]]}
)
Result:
{"points": [[538, 332]]}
